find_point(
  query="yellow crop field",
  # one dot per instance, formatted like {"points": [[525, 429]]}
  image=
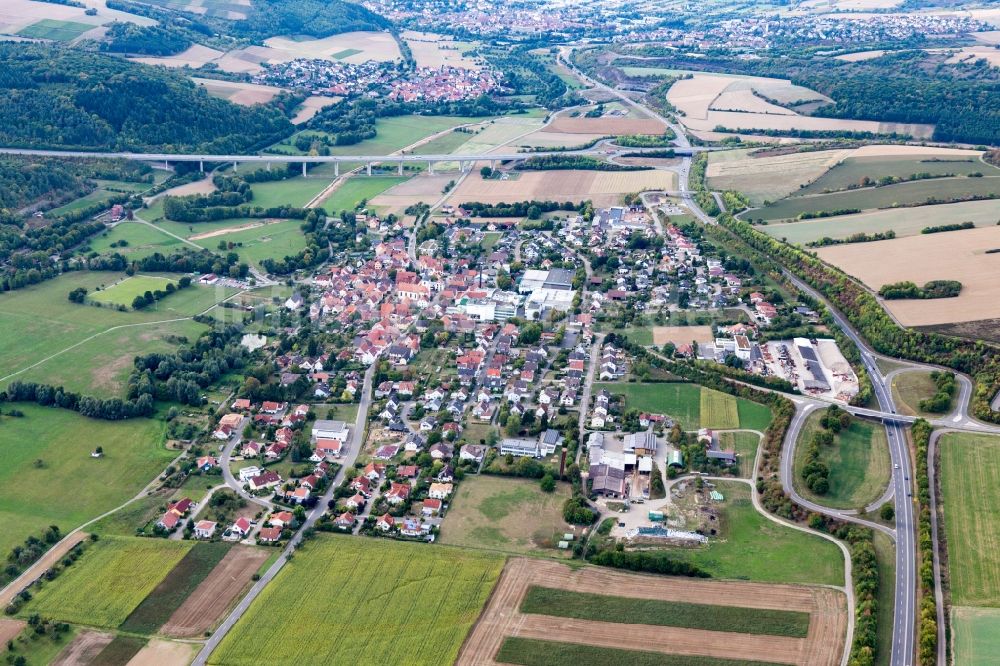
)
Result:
{"points": [[346, 600], [719, 410], [112, 577]]}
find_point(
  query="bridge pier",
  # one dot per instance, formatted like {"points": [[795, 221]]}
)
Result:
{"points": [[400, 171], [493, 165], [166, 165], [268, 166], [305, 174], [369, 168], [430, 167], [336, 169], [201, 166], [236, 167]]}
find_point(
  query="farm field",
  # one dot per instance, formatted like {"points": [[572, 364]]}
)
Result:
{"points": [[684, 403], [900, 194], [575, 627], [109, 581], [273, 240], [904, 221], [499, 132], [406, 599], [356, 189], [976, 635], [766, 178], [506, 514], [194, 56], [751, 547], [970, 476], [858, 462], [142, 241], [206, 604], [681, 335], [959, 255], [393, 134], [33, 496], [175, 588], [718, 410], [313, 105], [608, 125], [851, 171], [909, 388], [431, 50], [238, 92], [604, 188], [59, 31], [351, 47]]}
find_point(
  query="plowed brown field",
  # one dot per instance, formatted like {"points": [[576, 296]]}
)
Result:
{"points": [[212, 597], [502, 617]]}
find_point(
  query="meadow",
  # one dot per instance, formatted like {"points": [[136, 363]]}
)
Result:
{"points": [[125, 291], [976, 635], [60, 31], [751, 547], [142, 240], [903, 221], [970, 477], [356, 189], [297, 191], [909, 388], [109, 581], [851, 171], [628, 610], [46, 460], [505, 514], [365, 601], [535, 652], [858, 463], [745, 444], [684, 402], [253, 244], [901, 194], [766, 178]]}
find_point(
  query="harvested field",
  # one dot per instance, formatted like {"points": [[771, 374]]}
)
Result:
{"points": [[904, 221], [421, 188], [767, 178], [195, 56], [502, 617], [855, 167], [430, 50], [989, 37], [312, 106], [608, 125], [546, 139], [84, 648], [972, 54], [602, 187], [206, 605], [681, 335], [164, 653], [203, 186], [379, 46], [228, 230], [238, 92], [747, 102], [696, 98], [859, 56], [958, 255]]}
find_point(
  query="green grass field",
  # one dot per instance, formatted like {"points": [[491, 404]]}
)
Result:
{"points": [[393, 134], [684, 403], [356, 189], [34, 497], [60, 31], [296, 192], [909, 388], [41, 649], [270, 241], [124, 292], [976, 638], [505, 514], [751, 547], [858, 462], [745, 444], [970, 479], [142, 240], [903, 221], [109, 581], [640, 335], [175, 588], [880, 197], [885, 552], [851, 171], [628, 610], [444, 144], [533, 652], [718, 410], [363, 601], [346, 53]]}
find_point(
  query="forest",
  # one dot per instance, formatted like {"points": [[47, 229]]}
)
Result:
{"points": [[63, 99], [316, 18], [145, 39]]}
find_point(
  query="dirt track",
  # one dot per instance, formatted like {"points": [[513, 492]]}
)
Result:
{"points": [[39, 567], [10, 628], [501, 618], [212, 597]]}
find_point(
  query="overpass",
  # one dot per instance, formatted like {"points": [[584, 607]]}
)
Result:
{"points": [[465, 161]]}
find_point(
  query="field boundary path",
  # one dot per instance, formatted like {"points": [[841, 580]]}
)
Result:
{"points": [[942, 643]]}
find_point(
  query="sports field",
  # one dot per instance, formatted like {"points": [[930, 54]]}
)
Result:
{"points": [[364, 601], [970, 479], [684, 402], [34, 493], [506, 514], [105, 585], [903, 221], [356, 189], [976, 638], [60, 31], [858, 461]]}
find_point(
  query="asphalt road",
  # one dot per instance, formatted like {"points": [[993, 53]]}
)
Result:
{"points": [[357, 438]]}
